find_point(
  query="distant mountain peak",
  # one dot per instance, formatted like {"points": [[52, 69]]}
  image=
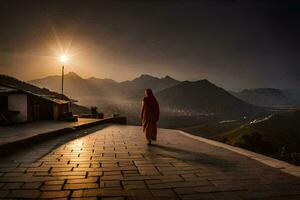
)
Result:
{"points": [[92, 78], [73, 75], [204, 97], [269, 91], [264, 97], [167, 77], [146, 76], [204, 81]]}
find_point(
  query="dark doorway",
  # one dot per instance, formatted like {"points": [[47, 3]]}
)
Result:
{"points": [[3, 103]]}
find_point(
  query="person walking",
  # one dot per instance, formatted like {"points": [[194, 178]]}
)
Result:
{"points": [[149, 116]]}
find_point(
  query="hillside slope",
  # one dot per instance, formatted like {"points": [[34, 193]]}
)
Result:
{"points": [[277, 135], [204, 97]]}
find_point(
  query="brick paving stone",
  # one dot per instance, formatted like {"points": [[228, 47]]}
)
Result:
{"points": [[99, 192], [76, 186], [10, 186], [141, 194], [13, 174], [179, 184], [51, 187], [204, 196], [236, 195], [42, 174], [85, 165], [109, 164], [56, 182], [36, 164], [109, 184], [94, 165], [111, 173], [112, 177], [87, 169], [9, 169], [164, 193], [31, 194], [55, 194], [38, 169], [95, 173], [191, 177], [123, 168], [34, 185], [148, 171], [152, 181], [129, 185], [69, 177], [61, 169], [113, 192], [199, 189], [69, 173], [130, 172], [85, 180], [173, 178]]}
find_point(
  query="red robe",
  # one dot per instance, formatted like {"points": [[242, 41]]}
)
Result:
{"points": [[150, 116]]}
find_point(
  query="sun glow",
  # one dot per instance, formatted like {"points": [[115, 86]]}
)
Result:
{"points": [[64, 58]]}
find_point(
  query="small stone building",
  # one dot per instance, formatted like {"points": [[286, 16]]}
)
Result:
{"points": [[17, 106]]}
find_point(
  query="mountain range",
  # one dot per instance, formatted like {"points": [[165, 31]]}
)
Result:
{"points": [[263, 97], [76, 86], [270, 97], [177, 98]]}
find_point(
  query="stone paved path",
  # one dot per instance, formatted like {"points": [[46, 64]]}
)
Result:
{"points": [[115, 163]]}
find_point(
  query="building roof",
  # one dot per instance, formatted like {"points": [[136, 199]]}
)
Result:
{"points": [[4, 89], [7, 81], [9, 85], [57, 101]]}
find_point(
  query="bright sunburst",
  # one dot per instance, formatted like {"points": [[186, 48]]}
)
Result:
{"points": [[64, 58]]}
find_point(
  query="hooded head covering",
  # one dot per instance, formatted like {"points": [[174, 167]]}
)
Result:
{"points": [[151, 103], [149, 93]]}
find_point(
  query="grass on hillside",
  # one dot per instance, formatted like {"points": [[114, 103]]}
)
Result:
{"points": [[277, 137]]}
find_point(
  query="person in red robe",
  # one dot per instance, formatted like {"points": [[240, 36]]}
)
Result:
{"points": [[150, 116]]}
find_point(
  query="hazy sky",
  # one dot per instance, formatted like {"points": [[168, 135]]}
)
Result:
{"points": [[235, 44]]}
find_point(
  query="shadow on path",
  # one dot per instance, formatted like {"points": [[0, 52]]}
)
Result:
{"points": [[192, 156]]}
